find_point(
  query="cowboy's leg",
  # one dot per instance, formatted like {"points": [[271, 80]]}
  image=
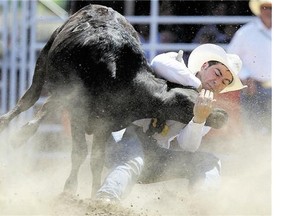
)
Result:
{"points": [[200, 168], [126, 159], [119, 182], [206, 176]]}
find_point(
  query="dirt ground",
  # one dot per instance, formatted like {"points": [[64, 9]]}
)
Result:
{"points": [[32, 178]]}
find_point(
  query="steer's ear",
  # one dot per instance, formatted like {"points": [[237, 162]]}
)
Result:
{"points": [[217, 119]]}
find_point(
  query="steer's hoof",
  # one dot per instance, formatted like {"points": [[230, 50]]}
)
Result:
{"points": [[67, 197]]}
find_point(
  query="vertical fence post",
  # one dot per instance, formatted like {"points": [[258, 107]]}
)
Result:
{"points": [[13, 24], [5, 57], [154, 8]]}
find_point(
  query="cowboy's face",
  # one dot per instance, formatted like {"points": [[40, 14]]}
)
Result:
{"points": [[215, 77], [266, 14]]}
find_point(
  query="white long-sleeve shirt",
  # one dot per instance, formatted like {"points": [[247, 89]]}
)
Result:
{"points": [[167, 67], [252, 42], [188, 136]]}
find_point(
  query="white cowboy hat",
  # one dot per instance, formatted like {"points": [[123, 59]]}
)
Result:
{"points": [[256, 4], [212, 52]]}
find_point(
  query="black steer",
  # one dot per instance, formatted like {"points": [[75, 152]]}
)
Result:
{"points": [[94, 66]]}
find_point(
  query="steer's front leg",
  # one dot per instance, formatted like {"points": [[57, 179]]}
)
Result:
{"points": [[78, 155], [98, 157]]}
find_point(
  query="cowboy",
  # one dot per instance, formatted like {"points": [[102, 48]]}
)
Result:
{"points": [[256, 71], [136, 156]]}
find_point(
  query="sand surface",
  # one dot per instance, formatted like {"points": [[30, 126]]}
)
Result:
{"points": [[32, 178]]}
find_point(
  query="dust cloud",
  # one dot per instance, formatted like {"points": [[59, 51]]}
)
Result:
{"points": [[32, 178], [245, 186]]}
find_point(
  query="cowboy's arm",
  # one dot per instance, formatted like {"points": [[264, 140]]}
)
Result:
{"points": [[190, 137], [173, 69]]}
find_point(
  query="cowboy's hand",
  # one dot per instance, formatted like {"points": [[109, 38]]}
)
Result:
{"points": [[203, 106], [179, 57]]}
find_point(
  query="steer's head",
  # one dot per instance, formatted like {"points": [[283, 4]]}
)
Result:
{"points": [[217, 119]]}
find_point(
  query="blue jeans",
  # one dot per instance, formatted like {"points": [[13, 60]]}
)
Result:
{"points": [[126, 159]]}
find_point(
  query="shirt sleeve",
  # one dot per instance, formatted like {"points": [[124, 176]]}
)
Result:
{"points": [[167, 67], [190, 137]]}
